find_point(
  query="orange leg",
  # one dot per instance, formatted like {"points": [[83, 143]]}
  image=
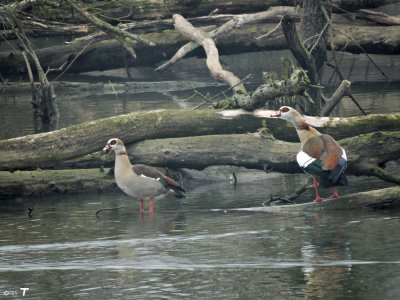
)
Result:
{"points": [[335, 194], [317, 197], [141, 207], [151, 206]]}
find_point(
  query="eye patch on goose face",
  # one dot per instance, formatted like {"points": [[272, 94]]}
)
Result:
{"points": [[284, 109], [113, 142]]}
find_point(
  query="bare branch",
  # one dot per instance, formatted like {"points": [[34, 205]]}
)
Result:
{"points": [[341, 91], [235, 22], [213, 64]]}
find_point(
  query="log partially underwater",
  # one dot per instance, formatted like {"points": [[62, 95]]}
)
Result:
{"points": [[47, 182], [375, 199], [53, 148]]}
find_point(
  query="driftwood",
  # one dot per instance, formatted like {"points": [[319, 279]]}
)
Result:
{"points": [[240, 40], [160, 9], [234, 23], [41, 183], [270, 90], [52, 148], [261, 151], [342, 90], [127, 39], [377, 17], [213, 64], [375, 199]]}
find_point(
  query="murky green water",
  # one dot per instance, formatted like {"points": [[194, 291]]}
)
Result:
{"points": [[186, 251]]}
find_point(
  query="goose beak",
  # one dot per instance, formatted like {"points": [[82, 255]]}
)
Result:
{"points": [[276, 114], [106, 148]]}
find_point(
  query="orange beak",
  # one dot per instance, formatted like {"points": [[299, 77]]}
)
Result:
{"points": [[276, 114], [106, 148]]}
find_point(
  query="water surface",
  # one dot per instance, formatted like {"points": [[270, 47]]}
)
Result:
{"points": [[187, 251]]}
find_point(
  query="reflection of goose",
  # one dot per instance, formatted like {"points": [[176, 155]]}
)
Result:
{"points": [[140, 181], [320, 155]]}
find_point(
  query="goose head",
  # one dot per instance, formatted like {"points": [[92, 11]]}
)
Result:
{"points": [[114, 144], [288, 114]]}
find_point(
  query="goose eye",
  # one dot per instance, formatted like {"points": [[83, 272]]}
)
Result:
{"points": [[285, 109], [113, 142]]}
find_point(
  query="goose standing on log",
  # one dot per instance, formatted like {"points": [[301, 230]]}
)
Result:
{"points": [[320, 155], [140, 181]]}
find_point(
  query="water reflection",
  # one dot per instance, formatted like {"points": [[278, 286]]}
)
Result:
{"points": [[187, 251]]}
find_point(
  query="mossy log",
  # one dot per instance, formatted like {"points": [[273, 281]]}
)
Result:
{"points": [[46, 182], [375, 199], [53, 148], [367, 153], [257, 151], [244, 39]]}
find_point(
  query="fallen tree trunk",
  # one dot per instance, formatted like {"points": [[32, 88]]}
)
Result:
{"points": [[252, 151], [81, 89], [161, 9], [42, 183], [52, 148], [375, 199], [258, 151], [244, 39]]}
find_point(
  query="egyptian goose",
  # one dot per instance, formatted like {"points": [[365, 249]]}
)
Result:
{"points": [[140, 181], [320, 155]]}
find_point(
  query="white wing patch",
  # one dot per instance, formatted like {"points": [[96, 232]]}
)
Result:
{"points": [[344, 154], [157, 179], [303, 159]]}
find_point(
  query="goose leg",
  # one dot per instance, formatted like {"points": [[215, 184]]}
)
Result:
{"points": [[317, 197], [335, 194], [151, 206], [141, 207]]}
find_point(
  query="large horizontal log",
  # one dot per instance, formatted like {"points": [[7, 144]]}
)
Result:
{"points": [[256, 151], [240, 40], [375, 199], [41, 183], [53, 148], [161, 9]]}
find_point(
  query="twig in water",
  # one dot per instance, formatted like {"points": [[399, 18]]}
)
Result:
{"points": [[232, 87], [292, 196], [112, 87], [104, 209], [75, 58]]}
